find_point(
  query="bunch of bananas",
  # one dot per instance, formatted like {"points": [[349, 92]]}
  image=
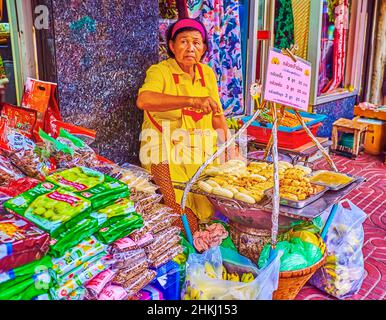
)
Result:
{"points": [[245, 277], [234, 124]]}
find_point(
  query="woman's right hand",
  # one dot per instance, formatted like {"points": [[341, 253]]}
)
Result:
{"points": [[206, 104]]}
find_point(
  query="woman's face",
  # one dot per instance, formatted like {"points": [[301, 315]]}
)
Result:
{"points": [[188, 47]]}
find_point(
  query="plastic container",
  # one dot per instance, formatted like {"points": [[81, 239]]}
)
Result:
{"points": [[286, 139], [310, 119], [168, 281]]}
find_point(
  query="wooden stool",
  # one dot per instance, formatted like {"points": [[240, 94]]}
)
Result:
{"points": [[348, 126]]}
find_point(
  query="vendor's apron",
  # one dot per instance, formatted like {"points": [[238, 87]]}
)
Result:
{"points": [[188, 148]]}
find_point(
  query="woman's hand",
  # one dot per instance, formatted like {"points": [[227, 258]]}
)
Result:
{"points": [[206, 104]]}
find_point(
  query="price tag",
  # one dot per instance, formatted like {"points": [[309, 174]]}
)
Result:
{"points": [[287, 82]]}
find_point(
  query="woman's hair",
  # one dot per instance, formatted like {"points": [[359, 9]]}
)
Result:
{"points": [[173, 38]]}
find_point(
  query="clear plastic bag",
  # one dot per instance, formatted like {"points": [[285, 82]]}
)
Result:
{"points": [[8, 172], [342, 275], [200, 286]]}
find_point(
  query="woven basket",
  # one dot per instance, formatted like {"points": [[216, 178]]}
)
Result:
{"points": [[291, 282], [249, 241]]}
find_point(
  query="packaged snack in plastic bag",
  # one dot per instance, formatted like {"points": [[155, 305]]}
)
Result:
{"points": [[154, 251], [113, 292], [148, 204], [69, 151], [133, 285], [204, 279], [3, 198], [21, 242], [29, 269], [77, 295], [77, 255], [166, 256], [31, 159], [343, 273], [131, 271], [68, 239], [116, 229], [20, 203], [120, 260], [114, 212], [100, 281], [16, 187], [58, 211], [8, 172], [163, 236], [90, 184], [85, 134], [61, 292]]}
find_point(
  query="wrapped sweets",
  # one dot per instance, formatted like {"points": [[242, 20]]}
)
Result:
{"points": [[165, 257], [98, 188], [82, 252], [153, 252], [20, 242], [129, 272], [62, 291], [99, 282], [123, 260], [128, 244]]}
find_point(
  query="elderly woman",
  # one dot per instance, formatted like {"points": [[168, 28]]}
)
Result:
{"points": [[183, 117]]}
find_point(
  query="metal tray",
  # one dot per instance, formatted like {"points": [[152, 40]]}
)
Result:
{"points": [[301, 203], [333, 187]]}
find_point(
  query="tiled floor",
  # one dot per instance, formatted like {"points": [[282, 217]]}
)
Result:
{"points": [[371, 198]]}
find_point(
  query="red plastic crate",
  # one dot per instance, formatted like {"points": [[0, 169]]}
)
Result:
{"points": [[287, 140]]}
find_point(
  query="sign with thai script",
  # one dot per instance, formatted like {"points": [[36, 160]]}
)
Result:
{"points": [[287, 82]]}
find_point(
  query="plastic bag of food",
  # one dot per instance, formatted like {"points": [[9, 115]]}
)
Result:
{"points": [[113, 292], [77, 295], [3, 198], [69, 151], [114, 212], [16, 187], [77, 255], [204, 279], [20, 203], [29, 269], [297, 254], [85, 134], [27, 288], [90, 184], [30, 158], [8, 172], [132, 270], [343, 273], [21, 242], [163, 236], [58, 211], [154, 250], [68, 239], [86, 274], [99, 282], [121, 260], [166, 256], [117, 229], [133, 285]]}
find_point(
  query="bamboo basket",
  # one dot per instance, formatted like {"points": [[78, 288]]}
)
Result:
{"points": [[291, 282]]}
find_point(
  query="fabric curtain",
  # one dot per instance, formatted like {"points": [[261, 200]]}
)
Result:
{"points": [[284, 24], [301, 14], [377, 77], [222, 21]]}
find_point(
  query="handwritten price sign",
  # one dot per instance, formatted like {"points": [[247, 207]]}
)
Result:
{"points": [[287, 82]]}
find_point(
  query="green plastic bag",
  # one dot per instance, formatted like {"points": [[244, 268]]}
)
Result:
{"points": [[114, 211], [67, 240], [21, 203], [100, 189], [297, 254], [114, 229], [58, 211], [29, 269]]}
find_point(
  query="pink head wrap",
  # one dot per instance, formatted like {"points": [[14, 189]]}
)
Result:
{"points": [[189, 23]]}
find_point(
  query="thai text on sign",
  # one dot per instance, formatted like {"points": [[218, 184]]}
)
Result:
{"points": [[287, 82]]}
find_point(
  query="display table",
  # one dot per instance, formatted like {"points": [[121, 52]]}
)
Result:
{"points": [[304, 152]]}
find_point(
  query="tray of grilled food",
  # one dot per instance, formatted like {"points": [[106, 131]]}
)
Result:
{"points": [[333, 180], [249, 183]]}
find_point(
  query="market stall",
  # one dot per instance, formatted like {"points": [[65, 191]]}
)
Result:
{"points": [[75, 226]]}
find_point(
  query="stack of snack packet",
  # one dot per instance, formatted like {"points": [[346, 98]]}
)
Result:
{"points": [[23, 261], [77, 266]]}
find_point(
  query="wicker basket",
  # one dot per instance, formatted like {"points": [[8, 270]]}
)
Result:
{"points": [[291, 282], [249, 241]]}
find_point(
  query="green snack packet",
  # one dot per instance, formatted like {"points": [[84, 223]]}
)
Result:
{"points": [[76, 234], [114, 230], [79, 143], [54, 144], [29, 269], [100, 189], [21, 203], [58, 211], [17, 289], [114, 211]]}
